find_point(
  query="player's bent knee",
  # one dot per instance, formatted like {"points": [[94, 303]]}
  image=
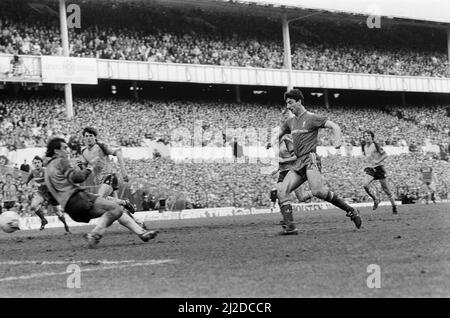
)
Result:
{"points": [[117, 211]]}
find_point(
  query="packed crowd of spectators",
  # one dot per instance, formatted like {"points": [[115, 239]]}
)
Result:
{"points": [[243, 184], [132, 31], [31, 122], [13, 176], [430, 118], [199, 185], [389, 128]]}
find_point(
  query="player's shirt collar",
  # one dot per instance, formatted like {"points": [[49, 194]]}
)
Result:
{"points": [[304, 112]]}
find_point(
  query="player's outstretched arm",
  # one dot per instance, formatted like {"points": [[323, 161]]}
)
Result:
{"points": [[29, 178], [121, 160], [284, 130], [286, 160], [336, 132]]}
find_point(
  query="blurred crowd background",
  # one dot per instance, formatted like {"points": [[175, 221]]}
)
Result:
{"points": [[124, 122], [31, 122], [134, 30]]}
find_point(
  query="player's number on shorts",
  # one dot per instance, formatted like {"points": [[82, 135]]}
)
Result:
{"points": [[374, 279], [74, 279]]}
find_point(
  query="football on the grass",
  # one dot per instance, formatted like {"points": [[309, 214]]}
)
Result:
{"points": [[9, 221]]}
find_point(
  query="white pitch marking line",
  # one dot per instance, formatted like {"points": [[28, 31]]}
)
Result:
{"points": [[86, 262], [45, 274]]}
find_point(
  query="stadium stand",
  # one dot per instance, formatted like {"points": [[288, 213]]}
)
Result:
{"points": [[202, 37], [29, 123], [126, 31]]}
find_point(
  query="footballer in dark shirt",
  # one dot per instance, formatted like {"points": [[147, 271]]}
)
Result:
{"points": [[304, 128]]}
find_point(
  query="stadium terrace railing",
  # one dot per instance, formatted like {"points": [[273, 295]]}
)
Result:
{"points": [[211, 74]]}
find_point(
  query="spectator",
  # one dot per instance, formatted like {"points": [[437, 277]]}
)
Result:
{"points": [[25, 166], [148, 204]]}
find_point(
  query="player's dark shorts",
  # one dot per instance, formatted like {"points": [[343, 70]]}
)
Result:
{"points": [[378, 173], [50, 199], [428, 183], [310, 161], [9, 204], [273, 196], [112, 181], [282, 175], [80, 206]]}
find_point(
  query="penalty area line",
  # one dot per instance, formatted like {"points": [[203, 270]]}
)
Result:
{"points": [[46, 274]]}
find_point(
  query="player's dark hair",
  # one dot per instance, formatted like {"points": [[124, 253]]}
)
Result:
{"points": [[38, 158], [295, 94], [90, 130], [52, 145], [370, 132]]}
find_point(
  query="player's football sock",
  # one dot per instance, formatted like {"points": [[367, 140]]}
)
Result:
{"points": [[369, 192], [376, 203], [288, 218], [127, 205], [63, 220], [44, 221], [433, 198], [341, 204], [282, 222], [40, 214], [394, 209], [130, 224], [286, 211], [392, 200], [141, 224], [288, 221], [103, 222], [43, 224]]}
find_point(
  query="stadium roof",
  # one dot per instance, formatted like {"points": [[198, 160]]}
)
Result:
{"points": [[430, 10], [433, 13]]}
